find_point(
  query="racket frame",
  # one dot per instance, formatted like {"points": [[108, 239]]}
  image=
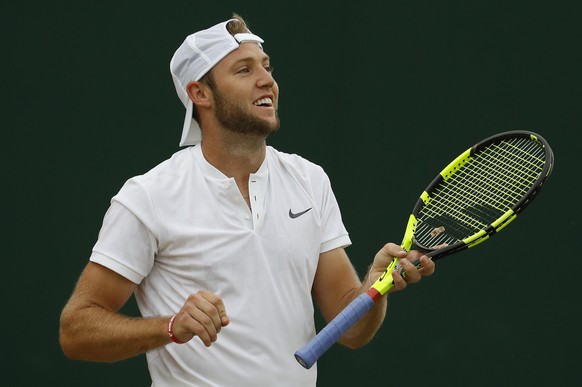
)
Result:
{"points": [[309, 354]]}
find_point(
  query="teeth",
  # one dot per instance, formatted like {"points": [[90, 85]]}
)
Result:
{"points": [[263, 101]]}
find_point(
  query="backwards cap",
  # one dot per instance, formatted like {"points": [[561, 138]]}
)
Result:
{"points": [[199, 53]]}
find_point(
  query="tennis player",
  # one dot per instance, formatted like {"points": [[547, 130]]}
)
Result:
{"points": [[225, 243]]}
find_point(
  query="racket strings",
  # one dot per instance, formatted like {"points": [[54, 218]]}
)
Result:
{"points": [[521, 171], [482, 190], [500, 188]]}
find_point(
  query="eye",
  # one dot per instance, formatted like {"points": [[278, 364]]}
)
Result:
{"points": [[269, 68], [243, 70]]}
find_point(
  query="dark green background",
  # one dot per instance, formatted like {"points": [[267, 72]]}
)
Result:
{"points": [[381, 94]]}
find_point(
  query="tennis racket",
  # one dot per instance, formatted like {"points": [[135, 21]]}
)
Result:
{"points": [[474, 197]]}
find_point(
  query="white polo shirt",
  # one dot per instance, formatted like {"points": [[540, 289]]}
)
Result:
{"points": [[184, 226]]}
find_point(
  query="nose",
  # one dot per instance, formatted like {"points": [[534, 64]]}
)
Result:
{"points": [[265, 78]]}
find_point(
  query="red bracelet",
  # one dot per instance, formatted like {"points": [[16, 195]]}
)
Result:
{"points": [[171, 332]]}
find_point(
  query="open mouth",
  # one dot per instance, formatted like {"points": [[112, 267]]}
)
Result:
{"points": [[265, 102]]}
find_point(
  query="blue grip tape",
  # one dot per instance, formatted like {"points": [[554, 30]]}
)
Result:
{"points": [[308, 355]]}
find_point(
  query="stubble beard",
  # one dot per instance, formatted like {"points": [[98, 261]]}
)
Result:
{"points": [[238, 120]]}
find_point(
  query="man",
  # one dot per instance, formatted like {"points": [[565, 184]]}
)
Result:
{"points": [[225, 243]]}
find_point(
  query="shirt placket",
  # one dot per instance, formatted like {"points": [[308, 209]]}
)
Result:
{"points": [[257, 184]]}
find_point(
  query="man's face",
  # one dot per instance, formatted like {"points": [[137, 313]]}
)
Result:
{"points": [[246, 95]]}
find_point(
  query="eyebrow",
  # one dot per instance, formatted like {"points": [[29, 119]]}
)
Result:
{"points": [[251, 59]]}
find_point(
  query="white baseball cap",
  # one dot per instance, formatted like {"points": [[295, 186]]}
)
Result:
{"points": [[199, 53]]}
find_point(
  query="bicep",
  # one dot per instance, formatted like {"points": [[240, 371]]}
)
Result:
{"points": [[100, 286], [334, 283]]}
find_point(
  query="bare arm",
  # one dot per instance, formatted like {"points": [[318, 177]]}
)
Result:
{"points": [[92, 329], [336, 284]]}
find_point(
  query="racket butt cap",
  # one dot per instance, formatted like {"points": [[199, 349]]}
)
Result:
{"points": [[301, 361]]}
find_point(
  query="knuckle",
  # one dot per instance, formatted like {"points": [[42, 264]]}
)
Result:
{"points": [[205, 320], [201, 332]]}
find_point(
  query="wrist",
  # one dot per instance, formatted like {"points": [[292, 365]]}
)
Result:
{"points": [[171, 331], [370, 281]]}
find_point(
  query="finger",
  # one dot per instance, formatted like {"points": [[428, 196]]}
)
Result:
{"points": [[424, 264], [203, 327], [399, 282], [412, 273], [203, 310], [386, 254], [428, 266], [204, 320], [392, 250], [218, 304]]}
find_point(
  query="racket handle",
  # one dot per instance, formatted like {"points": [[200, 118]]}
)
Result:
{"points": [[308, 355]]}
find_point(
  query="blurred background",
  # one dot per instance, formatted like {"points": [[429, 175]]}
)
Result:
{"points": [[380, 93]]}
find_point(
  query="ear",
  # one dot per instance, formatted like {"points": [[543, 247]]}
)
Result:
{"points": [[199, 93]]}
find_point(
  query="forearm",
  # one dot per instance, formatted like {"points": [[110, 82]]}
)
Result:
{"points": [[336, 285], [96, 334], [367, 327]]}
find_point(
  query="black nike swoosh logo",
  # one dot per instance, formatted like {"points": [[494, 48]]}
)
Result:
{"points": [[297, 215]]}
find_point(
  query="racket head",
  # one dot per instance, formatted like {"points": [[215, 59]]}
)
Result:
{"points": [[479, 193]]}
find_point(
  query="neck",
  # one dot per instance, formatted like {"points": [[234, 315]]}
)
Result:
{"points": [[236, 159]]}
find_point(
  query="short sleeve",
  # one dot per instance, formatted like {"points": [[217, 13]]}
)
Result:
{"points": [[125, 245], [334, 233]]}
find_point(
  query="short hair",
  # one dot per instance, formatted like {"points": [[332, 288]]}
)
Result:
{"points": [[235, 26]]}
